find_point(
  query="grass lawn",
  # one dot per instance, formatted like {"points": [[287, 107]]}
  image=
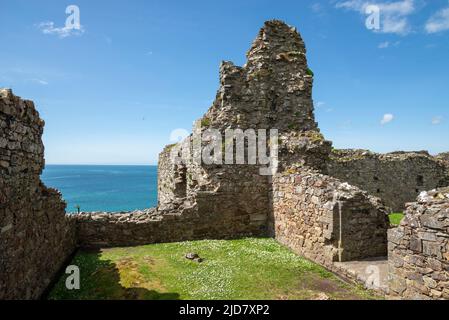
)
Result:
{"points": [[232, 269], [396, 218]]}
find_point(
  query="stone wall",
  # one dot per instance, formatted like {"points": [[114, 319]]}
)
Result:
{"points": [[396, 178], [308, 208], [35, 235], [215, 202], [106, 229], [172, 180], [444, 157], [419, 249], [273, 90]]}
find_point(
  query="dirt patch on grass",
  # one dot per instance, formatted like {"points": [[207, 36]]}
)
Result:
{"points": [[322, 287], [149, 260]]}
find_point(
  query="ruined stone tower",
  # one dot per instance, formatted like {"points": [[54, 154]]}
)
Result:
{"points": [[273, 90]]}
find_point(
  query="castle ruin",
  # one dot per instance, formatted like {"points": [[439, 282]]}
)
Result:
{"points": [[328, 205]]}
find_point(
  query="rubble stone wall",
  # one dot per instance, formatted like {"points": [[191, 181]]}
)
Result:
{"points": [[217, 202], [396, 178], [106, 229], [308, 208], [444, 157], [418, 250], [172, 180], [35, 235]]}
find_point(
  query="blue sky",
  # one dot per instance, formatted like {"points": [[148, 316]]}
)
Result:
{"points": [[112, 92]]}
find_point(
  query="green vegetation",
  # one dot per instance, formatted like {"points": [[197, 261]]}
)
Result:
{"points": [[349, 155], [261, 73], [170, 146], [310, 72], [234, 269], [396, 218], [205, 122], [314, 136]]}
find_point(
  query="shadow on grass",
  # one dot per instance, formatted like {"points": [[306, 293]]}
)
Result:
{"points": [[102, 279]]}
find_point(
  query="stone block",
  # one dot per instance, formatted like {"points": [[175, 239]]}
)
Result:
{"points": [[397, 285], [434, 264], [430, 282], [395, 235], [436, 294], [432, 249], [432, 222], [6, 228], [428, 236], [416, 244]]}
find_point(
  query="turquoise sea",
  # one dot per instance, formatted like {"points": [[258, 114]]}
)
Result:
{"points": [[104, 188]]}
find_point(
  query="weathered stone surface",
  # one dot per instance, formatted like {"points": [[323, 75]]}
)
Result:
{"points": [[444, 157], [192, 256], [312, 229], [421, 246], [35, 235], [396, 178]]}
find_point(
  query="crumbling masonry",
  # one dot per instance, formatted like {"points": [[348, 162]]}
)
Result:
{"points": [[36, 236], [327, 205]]}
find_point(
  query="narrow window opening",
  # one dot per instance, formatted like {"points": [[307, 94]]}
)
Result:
{"points": [[180, 189]]}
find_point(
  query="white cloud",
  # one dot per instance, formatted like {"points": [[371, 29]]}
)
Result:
{"points": [[388, 117], [322, 105], [403, 8], [316, 7], [437, 120], [36, 81], [393, 15], [40, 81], [438, 22], [388, 44], [48, 27]]}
